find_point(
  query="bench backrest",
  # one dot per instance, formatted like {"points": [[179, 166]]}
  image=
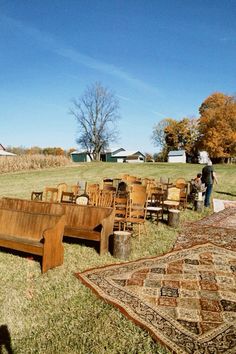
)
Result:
{"points": [[31, 206], [25, 224], [85, 216]]}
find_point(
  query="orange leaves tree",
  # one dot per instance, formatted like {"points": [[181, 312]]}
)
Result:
{"points": [[217, 126], [170, 134]]}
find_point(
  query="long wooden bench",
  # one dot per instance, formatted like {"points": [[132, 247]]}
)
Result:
{"points": [[82, 221], [35, 233]]}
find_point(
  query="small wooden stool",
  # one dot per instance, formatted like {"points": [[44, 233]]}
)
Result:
{"points": [[122, 244], [173, 217]]}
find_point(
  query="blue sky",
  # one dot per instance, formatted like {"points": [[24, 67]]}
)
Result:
{"points": [[162, 58]]}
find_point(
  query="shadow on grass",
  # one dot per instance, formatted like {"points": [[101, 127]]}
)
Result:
{"points": [[5, 340], [226, 193]]}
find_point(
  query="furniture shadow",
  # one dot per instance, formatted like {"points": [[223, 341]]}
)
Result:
{"points": [[5, 340], [226, 193]]}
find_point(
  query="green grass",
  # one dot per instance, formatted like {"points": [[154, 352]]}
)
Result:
{"points": [[54, 313]]}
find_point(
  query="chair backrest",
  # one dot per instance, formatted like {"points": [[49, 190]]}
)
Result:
{"points": [[74, 189], [173, 193], [106, 198], [138, 188], [137, 203], [180, 181], [121, 205], [37, 196], [82, 199], [108, 187], [62, 187], [131, 179], [82, 185], [107, 182], [67, 197], [93, 192], [50, 194]]}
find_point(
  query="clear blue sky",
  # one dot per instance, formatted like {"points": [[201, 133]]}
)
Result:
{"points": [[162, 58]]}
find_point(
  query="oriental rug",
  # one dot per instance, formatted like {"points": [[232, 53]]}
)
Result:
{"points": [[218, 228], [186, 299]]}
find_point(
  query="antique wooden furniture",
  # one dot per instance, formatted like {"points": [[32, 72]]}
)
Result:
{"points": [[67, 197], [50, 194], [62, 187], [82, 221], [37, 196], [88, 222], [106, 198], [82, 199], [136, 212], [182, 184], [121, 205], [93, 192], [35, 233], [173, 198]]}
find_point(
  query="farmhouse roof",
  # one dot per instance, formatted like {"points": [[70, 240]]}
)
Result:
{"points": [[126, 153], [176, 153]]}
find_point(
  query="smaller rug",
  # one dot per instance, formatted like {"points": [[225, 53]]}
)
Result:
{"points": [[225, 219], [186, 299], [218, 228]]}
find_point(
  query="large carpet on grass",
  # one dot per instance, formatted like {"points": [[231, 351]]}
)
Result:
{"points": [[186, 298], [218, 228]]}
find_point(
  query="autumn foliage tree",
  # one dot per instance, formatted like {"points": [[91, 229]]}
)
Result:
{"points": [[171, 134], [217, 126]]}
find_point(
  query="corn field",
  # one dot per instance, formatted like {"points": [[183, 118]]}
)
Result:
{"points": [[31, 162]]}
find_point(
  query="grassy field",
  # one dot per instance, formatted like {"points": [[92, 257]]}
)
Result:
{"points": [[54, 313]]}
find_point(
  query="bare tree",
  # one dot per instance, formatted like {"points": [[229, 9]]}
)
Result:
{"points": [[96, 112]]}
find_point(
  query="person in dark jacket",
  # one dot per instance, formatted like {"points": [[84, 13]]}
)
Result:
{"points": [[208, 178]]}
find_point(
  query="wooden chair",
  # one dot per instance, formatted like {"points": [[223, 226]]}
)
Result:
{"points": [[138, 188], [37, 196], [50, 194], [121, 204], [82, 199], [106, 198], [183, 194], [93, 192], [137, 209], [67, 197], [62, 187], [74, 189], [107, 182], [108, 187], [82, 186], [173, 199], [154, 204]]}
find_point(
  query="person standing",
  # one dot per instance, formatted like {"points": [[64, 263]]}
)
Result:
{"points": [[208, 178]]}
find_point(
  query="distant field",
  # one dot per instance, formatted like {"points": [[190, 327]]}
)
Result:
{"points": [[54, 313], [20, 184]]}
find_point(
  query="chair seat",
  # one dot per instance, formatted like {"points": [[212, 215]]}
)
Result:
{"points": [[154, 209], [170, 203]]}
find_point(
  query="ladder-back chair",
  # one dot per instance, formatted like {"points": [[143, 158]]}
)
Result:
{"points": [[50, 194], [137, 209]]}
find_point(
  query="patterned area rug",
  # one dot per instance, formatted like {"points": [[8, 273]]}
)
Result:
{"points": [[186, 299], [218, 228]]}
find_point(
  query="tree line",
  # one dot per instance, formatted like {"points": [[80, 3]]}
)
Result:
{"points": [[214, 131], [97, 114]]}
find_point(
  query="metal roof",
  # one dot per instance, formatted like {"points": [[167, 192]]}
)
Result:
{"points": [[176, 153]]}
